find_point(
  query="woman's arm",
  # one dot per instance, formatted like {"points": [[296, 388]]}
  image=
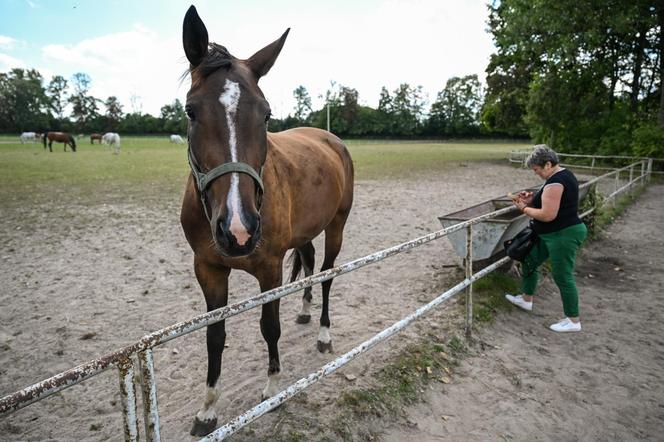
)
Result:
{"points": [[551, 197]]}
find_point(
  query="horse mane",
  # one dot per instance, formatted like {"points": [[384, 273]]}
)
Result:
{"points": [[216, 58]]}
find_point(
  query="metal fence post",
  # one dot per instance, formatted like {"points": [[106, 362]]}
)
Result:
{"points": [[469, 274], [592, 166], [642, 177], [631, 177], [649, 169], [615, 197], [149, 387], [128, 398]]}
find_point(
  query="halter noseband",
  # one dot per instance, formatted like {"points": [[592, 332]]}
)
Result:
{"points": [[203, 180]]}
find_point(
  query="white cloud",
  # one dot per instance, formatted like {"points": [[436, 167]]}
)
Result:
{"points": [[420, 42], [8, 62], [7, 42], [133, 62], [366, 46]]}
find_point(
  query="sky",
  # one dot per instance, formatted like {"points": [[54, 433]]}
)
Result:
{"points": [[133, 48]]}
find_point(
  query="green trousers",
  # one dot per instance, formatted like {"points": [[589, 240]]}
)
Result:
{"points": [[561, 247]]}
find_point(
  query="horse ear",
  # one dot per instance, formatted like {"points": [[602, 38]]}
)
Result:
{"points": [[261, 62], [194, 37]]}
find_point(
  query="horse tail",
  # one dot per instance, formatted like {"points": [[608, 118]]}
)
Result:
{"points": [[296, 262]]}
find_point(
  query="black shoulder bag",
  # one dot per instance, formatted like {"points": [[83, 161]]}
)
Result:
{"points": [[520, 246]]}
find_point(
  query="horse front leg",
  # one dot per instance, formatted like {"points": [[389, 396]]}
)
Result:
{"points": [[270, 277], [214, 282]]}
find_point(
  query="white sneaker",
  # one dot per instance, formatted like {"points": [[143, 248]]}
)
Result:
{"points": [[565, 325], [519, 301]]}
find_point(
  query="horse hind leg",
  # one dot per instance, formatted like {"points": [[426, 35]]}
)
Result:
{"points": [[333, 240], [307, 258], [270, 277]]}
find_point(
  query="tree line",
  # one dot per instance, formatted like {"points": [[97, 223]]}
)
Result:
{"points": [[28, 104], [581, 75]]}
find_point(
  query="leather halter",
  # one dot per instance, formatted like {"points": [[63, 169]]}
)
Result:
{"points": [[203, 180]]}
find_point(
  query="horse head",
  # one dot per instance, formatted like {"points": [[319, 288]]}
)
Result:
{"points": [[227, 132]]}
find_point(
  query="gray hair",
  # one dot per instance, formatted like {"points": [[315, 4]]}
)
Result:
{"points": [[540, 155]]}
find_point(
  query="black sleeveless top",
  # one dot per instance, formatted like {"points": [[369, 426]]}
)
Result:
{"points": [[569, 203]]}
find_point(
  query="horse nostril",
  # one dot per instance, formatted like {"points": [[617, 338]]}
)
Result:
{"points": [[223, 235]]}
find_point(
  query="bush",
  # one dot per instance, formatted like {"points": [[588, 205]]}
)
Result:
{"points": [[648, 141]]}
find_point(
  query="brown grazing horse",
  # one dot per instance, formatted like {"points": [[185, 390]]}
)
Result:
{"points": [[61, 137], [94, 137], [253, 195]]}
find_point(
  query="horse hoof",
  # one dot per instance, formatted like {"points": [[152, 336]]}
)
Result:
{"points": [[324, 346], [203, 428], [303, 319]]}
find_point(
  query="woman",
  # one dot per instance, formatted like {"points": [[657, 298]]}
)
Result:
{"points": [[554, 210]]}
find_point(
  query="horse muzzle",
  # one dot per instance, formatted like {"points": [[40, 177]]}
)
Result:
{"points": [[235, 239]]}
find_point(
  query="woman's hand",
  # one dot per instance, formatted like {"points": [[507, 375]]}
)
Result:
{"points": [[520, 204], [526, 197]]}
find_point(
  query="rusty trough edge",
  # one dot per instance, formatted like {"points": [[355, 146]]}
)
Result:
{"points": [[59, 382], [269, 404]]}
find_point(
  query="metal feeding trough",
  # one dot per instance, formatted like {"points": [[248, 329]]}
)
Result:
{"points": [[489, 235]]}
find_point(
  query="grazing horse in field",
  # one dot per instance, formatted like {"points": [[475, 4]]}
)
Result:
{"points": [[28, 137], [94, 137], [61, 137], [112, 139], [253, 195], [177, 139]]}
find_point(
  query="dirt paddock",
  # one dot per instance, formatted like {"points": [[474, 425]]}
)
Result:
{"points": [[80, 279]]}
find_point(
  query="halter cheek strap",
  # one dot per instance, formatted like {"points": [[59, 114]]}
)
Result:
{"points": [[203, 180]]}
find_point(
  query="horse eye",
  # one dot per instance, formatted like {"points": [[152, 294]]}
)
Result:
{"points": [[189, 112], [267, 117]]}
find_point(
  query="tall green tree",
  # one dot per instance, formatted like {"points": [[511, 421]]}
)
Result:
{"points": [[113, 113], [174, 118], [57, 93], [302, 104], [84, 106], [456, 110], [576, 74], [24, 105]]}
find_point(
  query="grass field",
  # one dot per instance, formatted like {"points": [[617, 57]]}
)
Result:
{"points": [[152, 165]]}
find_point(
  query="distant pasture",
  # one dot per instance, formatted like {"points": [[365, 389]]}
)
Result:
{"points": [[151, 166]]}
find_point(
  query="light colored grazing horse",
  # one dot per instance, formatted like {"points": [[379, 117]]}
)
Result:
{"points": [[112, 140], [28, 137], [177, 139]]}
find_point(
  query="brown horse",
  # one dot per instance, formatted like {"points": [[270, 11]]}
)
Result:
{"points": [[253, 195], [94, 137], [61, 137]]}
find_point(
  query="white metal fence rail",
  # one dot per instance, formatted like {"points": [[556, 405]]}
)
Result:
{"points": [[123, 359], [519, 157]]}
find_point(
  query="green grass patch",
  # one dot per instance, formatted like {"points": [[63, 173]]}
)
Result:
{"points": [[150, 166], [489, 295], [386, 159], [401, 382]]}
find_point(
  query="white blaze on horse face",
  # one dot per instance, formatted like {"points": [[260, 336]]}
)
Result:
{"points": [[230, 98], [207, 412]]}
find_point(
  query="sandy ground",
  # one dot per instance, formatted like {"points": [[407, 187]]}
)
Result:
{"points": [[80, 278], [603, 384]]}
